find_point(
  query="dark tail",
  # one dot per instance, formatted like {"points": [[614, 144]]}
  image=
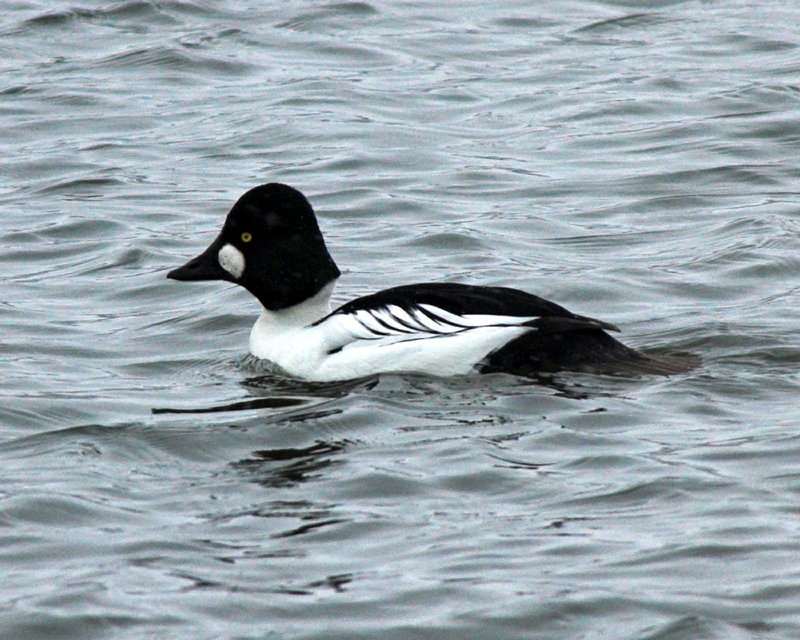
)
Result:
{"points": [[588, 350]]}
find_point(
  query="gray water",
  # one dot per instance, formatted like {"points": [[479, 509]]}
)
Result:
{"points": [[632, 161]]}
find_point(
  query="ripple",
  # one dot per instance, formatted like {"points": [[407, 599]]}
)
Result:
{"points": [[632, 163]]}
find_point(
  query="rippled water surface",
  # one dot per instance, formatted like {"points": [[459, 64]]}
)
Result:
{"points": [[633, 161]]}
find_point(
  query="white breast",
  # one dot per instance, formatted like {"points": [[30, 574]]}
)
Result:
{"points": [[425, 340]]}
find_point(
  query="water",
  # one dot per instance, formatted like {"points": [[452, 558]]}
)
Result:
{"points": [[633, 161]]}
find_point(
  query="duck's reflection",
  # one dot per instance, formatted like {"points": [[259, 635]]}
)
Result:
{"points": [[291, 466]]}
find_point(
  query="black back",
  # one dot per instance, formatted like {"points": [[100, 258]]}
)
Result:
{"points": [[463, 299]]}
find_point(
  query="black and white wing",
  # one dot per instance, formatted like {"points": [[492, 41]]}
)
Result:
{"points": [[451, 329], [431, 310], [436, 306], [391, 323]]}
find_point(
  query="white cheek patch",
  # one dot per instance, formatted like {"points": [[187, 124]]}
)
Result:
{"points": [[232, 260]]}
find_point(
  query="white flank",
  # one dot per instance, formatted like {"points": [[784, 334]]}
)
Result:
{"points": [[389, 339], [232, 260]]}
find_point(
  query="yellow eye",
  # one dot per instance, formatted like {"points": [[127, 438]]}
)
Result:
{"points": [[247, 236]]}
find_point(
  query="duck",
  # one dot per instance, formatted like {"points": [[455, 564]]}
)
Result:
{"points": [[271, 245]]}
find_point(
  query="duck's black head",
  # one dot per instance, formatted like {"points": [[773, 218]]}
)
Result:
{"points": [[271, 245]]}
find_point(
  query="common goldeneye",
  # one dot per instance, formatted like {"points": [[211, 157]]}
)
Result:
{"points": [[271, 245]]}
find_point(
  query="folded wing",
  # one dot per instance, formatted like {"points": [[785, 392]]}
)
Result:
{"points": [[448, 329], [436, 310]]}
